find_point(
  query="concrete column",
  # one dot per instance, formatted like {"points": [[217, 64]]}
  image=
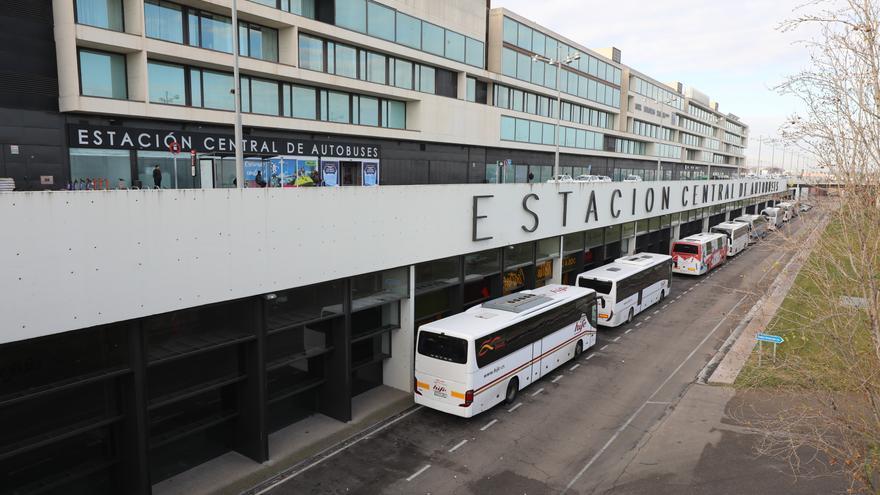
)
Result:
{"points": [[676, 232], [706, 224], [136, 65], [397, 371], [288, 46], [133, 16], [557, 265], [462, 85], [65, 53]]}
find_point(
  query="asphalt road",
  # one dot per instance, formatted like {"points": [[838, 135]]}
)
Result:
{"points": [[575, 430]]}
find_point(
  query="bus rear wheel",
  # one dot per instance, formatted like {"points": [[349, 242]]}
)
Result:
{"points": [[578, 349], [512, 390], [629, 319]]}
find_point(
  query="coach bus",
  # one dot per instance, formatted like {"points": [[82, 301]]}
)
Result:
{"points": [[469, 362], [699, 253], [628, 286], [757, 226], [737, 235]]}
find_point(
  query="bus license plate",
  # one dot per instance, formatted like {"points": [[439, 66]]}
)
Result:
{"points": [[691, 269]]}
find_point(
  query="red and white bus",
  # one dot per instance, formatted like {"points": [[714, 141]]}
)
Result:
{"points": [[699, 253]]}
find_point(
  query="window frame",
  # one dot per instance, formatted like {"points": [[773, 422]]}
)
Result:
{"points": [[79, 50]]}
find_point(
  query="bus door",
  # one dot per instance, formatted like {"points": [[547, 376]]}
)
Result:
{"points": [[536, 361]]}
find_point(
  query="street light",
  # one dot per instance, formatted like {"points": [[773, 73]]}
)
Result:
{"points": [[669, 102], [239, 154], [571, 57]]}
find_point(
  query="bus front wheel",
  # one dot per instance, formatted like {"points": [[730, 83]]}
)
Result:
{"points": [[512, 390], [629, 319], [578, 349]]}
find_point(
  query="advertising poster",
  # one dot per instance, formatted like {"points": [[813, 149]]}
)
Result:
{"points": [[306, 172], [370, 173], [281, 171], [330, 172], [251, 167]]}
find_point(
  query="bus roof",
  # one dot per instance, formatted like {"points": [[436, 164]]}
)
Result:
{"points": [[733, 225], [624, 267], [501, 312], [701, 237]]}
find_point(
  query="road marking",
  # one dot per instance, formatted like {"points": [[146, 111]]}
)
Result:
{"points": [[420, 471], [458, 445], [574, 367], [589, 357], [558, 377], [647, 317], [536, 392], [639, 410], [628, 330], [638, 324], [678, 297], [655, 312], [514, 408], [616, 339], [603, 347], [665, 305], [489, 425], [335, 452]]}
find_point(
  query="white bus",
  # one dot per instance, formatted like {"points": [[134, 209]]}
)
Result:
{"points": [[699, 253], [737, 235], [757, 226], [775, 217], [627, 286], [791, 209], [468, 362]]}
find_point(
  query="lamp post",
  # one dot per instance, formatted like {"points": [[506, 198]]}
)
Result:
{"points": [[571, 57], [660, 109], [239, 155]]}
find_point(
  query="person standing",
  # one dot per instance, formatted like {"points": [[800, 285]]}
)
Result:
{"points": [[157, 176]]}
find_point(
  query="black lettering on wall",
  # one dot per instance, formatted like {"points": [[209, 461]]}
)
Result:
{"points": [[705, 194], [664, 197], [615, 212], [649, 200], [634, 202], [684, 192], [476, 216], [564, 206], [525, 205], [591, 208]]}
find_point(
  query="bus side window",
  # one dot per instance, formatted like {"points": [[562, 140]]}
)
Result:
{"points": [[594, 314]]}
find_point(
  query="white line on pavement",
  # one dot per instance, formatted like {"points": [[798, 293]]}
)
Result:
{"points": [[459, 444], [536, 392], [655, 312], [589, 357], [574, 367], [603, 347], [628, 330], [638, 324], [558, 377], [647, 317], [420, 471], [489, 425], [639, 410], [616, 339], [514, 408]]}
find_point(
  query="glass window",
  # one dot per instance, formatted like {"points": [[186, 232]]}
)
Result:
{"points": [[195, 87], [352, 14], [539, 44], [403, 74], [174, 176], [409, 31], [311, 53], [258, 42], [368, 109], [474, 52], [550, 76], [471, 89], [338, 107], [508, 126], [376, 68], [167, 83], [426, 79], [510, 30], [264, 97], [163, 20], [549, 136], [100, 13], [508, 62], [518, 255], [346, 61], [305, 104], [380, 21], [522, 130], [535, 132], [113, 165], [432, 39], [218, 90], [538, 72], [216, 32], [395, 114], [523, 67], [524, 37], [454, 46], [102, 74]]}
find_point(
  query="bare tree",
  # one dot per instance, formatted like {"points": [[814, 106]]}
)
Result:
{"points": [[829, 378]]}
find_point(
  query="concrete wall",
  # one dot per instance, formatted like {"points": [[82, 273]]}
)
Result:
{"points": [[78, 259]]}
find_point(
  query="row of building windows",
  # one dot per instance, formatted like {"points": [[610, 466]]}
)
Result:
{"points": [[732, 149], [105, 14], [535, 41], [178, 24], [651, 130], [628, 146], [668, 151], [348, 61], [733, 138], [523, 67], [734, 127], [716, 158], [712, 143], [698, 127], [690, 140], [531, 131], [477, 91], [376, 19], [524, 101], [305, 8], [701, 113], [699, 156], [654, 92]]}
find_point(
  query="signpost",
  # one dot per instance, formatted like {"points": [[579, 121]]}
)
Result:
{"points": [[763, 337], [174, 148]]}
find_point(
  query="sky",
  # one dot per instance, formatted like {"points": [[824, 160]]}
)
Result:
{"points": [[731, 51]]}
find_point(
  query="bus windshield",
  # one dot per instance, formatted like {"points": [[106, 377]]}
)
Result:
{"points": [[443, 347], [600, 286], [685, 248]]}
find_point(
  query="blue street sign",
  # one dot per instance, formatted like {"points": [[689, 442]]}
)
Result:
{"points": [[770, 338]]}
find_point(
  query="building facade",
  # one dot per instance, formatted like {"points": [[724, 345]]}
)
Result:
{"points": [[146, 332]]}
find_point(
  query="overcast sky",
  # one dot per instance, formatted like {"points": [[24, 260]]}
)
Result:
{"points": [[730, 51]]}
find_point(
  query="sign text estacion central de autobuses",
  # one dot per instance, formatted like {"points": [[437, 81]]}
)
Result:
{"points": [[621, 203], [127, 138]]}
